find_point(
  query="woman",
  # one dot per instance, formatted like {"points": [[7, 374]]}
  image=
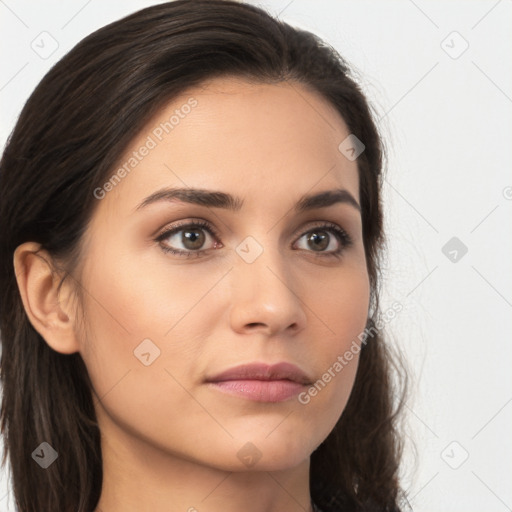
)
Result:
{"points": [[191, 229]]}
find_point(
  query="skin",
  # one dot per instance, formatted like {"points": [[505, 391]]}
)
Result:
{"points": [[169, 441]]}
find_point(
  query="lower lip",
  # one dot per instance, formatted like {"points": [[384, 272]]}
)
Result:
{"points": [[260, 390]]}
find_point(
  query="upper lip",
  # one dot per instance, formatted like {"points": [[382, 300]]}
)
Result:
{"points": [[262, 371]]}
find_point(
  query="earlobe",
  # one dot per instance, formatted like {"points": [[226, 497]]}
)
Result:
{"points": [[47, 307]]}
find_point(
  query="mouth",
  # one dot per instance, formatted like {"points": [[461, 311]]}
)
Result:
{"points": [[261, 382]]}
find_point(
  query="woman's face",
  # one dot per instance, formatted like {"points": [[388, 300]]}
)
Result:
{"points": [[260, 278]]}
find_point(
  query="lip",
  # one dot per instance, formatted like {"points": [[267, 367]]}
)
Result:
{"points": [[261, 382]]}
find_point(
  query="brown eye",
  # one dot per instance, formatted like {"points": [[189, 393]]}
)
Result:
{"points": [[188, 239], [192, 238], [326, 240], [318, 240]]}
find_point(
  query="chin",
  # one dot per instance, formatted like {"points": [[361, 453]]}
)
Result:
{"points": [[273, 452]]}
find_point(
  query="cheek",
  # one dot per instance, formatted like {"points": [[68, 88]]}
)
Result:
{"points": [[136, 313], [144, 337], [132, 298], [342, 306], [343, 312]]}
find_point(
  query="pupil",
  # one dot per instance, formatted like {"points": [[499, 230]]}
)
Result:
{"points": [[193, 238], [320, 239]]}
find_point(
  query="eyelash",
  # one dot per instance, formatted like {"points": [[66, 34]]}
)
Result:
{"points": [[341, 235]]}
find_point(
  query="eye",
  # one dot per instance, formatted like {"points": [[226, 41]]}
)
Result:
{"points": [[327, 239], [191, 236]]}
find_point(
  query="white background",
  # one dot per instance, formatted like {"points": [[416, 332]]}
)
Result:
{"points": [[447, 123]]}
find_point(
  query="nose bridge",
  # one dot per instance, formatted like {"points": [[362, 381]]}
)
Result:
{"points": [[262, 258], [262, 291]]}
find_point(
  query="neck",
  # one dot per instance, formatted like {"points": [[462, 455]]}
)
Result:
{"points": [[138, 476]]}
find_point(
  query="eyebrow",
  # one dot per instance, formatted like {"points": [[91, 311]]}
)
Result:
{"points": [[215, 199]]}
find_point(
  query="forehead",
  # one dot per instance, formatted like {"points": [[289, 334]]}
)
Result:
{"points": [[248, 139]]}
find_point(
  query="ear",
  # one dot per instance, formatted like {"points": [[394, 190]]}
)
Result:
{"points": [[49, 309]]}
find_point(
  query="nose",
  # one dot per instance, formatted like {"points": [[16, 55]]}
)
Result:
{"points": [[263, 298]]}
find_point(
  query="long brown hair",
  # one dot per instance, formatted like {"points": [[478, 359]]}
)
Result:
{"points": [[68, 138]]}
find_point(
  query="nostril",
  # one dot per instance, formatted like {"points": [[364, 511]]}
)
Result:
{"points": [[255, 324]]}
